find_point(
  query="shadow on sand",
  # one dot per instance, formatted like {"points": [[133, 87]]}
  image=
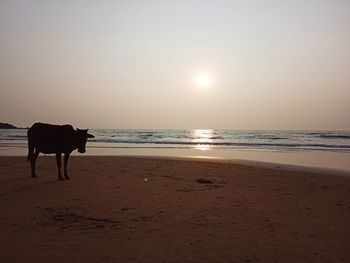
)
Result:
{"points": [[28, 187]]}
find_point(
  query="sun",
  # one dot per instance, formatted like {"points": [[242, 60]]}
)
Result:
{"points": [[202, 80]]}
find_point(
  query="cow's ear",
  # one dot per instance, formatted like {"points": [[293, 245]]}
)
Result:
{"points": [[90, 136]]}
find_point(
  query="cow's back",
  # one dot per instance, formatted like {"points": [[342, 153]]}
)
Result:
{"points": [[48, 138]]}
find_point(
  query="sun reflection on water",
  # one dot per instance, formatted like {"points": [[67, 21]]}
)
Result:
{"points": [[202, 139]]}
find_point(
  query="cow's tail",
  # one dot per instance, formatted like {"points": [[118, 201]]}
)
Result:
{"points": [[30, 146]]}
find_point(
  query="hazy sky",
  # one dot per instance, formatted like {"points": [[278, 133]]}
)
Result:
{"points": [[133, 64]]}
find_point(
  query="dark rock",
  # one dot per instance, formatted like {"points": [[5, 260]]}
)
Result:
{"points": [[204, 181], [4, 125]]}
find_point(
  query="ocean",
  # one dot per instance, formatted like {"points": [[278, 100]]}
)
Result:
{"points": [[338, 141], [321, 149]]}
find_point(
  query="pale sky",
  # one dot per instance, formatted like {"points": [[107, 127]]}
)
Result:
{"points": [[133, 64]]}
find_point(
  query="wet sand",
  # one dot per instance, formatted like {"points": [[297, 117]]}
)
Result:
{"points": [[128, 209], [314, 159]]}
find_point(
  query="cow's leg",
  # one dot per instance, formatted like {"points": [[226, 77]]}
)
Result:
{"points": [[58, 160], [66, 157], [33, 162]]}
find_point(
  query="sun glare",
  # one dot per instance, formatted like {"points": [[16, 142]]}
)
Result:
{"points": [[203, 80], [202, 139]]}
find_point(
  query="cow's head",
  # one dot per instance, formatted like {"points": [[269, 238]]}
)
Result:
{"points": [[82, 138]]}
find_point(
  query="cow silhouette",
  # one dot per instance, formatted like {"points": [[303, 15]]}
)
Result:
{"points": [[58, 139]]}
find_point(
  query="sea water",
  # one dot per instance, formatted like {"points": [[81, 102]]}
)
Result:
{"points": [[311, 148], [231, 139]]}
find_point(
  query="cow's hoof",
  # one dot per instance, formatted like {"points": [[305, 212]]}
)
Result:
{"points": [[67, 178], [60, 178]]}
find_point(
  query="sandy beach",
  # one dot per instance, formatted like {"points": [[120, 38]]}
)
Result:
{"points": [[129, 209]]}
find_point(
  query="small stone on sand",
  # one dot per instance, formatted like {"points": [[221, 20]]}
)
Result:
{"points": [[204, 181]]}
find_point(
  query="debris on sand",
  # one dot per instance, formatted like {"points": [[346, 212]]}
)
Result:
{"points": [[204, 181]]}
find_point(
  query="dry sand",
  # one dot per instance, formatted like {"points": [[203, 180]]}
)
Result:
{"points": [[122, 209]]}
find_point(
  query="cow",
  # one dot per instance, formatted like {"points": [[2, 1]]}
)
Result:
{"points": [[58, 139]]}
